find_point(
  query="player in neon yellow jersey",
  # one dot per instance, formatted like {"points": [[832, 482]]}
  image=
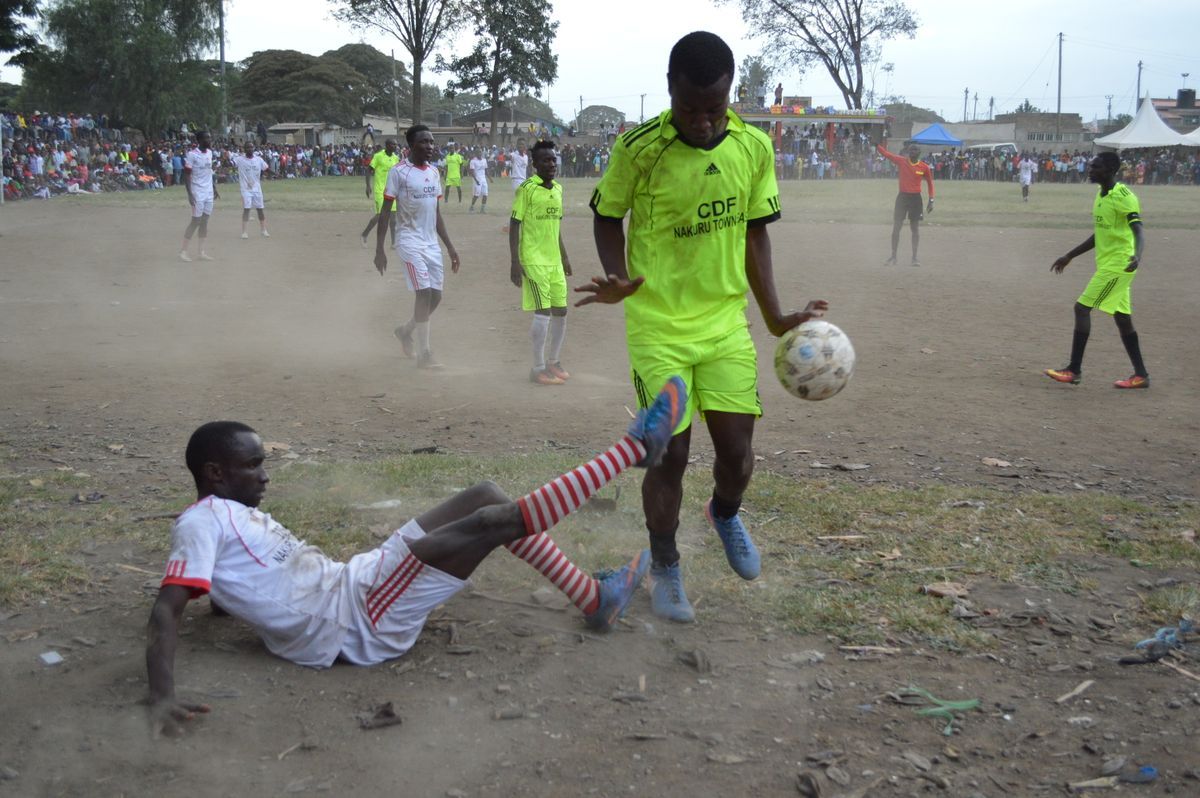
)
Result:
{"points": [[1119, 243], [540, 265], [377, 172], [453, 166], [699, 187]]}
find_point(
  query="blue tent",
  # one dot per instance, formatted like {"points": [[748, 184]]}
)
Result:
{"points": [[936, 134]]}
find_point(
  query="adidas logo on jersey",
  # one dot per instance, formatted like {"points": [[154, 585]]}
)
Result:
{"points": [[712, 169]]}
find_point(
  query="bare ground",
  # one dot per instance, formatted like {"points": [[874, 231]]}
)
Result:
{"points": [[106, 338]]}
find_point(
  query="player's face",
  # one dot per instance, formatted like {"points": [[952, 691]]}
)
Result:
{"points": [[249, 150], [243, 476], [390, 147], [545, 164], [1098, 172], [698, 112], [914, 154], [422, 148], [202, 141]]}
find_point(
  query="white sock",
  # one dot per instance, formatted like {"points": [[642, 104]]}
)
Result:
{"points": [[537, 336], [422, 328], [558, 332]]}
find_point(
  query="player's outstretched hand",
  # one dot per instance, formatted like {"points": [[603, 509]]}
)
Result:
{"points": [[1060, 264], [1133, 263], [813, 310], [167, 718], [381, 262], [609, 290]]}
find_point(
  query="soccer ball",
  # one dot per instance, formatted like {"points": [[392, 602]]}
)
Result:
{"points": [[814, 361]]}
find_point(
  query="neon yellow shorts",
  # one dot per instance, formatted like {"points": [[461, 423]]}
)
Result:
{"points": [[379, 203], [720, 374], [543, 287], [1110, 292]]}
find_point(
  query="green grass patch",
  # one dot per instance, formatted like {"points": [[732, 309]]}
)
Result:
{"points": [[860, 590]]}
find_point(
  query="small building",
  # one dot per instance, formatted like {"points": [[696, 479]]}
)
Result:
{"points": [[308, 134], [1180, 113]]}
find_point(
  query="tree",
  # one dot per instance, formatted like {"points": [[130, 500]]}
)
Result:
{"points": [[135, 60], [902, 112], [595, 117], [1027, 108], [756, 74], [534, 107], [286, 85], [843, 36], [380, 97], [14, 35], [512, 50], [419, 25]]}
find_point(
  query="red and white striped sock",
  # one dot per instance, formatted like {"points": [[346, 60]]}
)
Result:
{"points": [[543, 554], [557, 499]]}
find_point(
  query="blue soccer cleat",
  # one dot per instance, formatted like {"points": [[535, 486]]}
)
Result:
{"points": [[667, 597], [655, 425], [616, 590], [739, 548]]}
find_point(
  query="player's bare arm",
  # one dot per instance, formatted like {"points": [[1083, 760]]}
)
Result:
{"points": [[385, 214], [562, 250], [1061, 263], [615, 285], [760, 273], [187, 184], [1139, 245], [515, 271], [445, 236], [162, 634]]}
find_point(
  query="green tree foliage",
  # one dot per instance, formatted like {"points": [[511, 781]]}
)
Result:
{"points": [[289, 86], [379, 97], [9, 92], [136, 60], [534, 107], [513, 51], [419, 25], [903, 112], [1027, 108], [595, 117], [755, 74], [14, 30], [843, 36]]}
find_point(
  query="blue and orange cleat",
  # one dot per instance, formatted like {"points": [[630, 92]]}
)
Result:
{"points": [[1136, 381], [740, 550], [667, 597], [1064, 375], [616, 590], [655, 425]]}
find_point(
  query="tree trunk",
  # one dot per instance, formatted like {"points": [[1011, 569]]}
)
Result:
{"points": [[416, 90]]}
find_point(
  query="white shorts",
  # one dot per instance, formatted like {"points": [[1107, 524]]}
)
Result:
{"points": [[394, 593], [480, 188], [422, 268], [252, 199], [202, 207]]}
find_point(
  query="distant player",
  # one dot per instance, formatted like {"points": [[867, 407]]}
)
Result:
{"points": [[454, 164], [540, 265], [1025, 171], [1119, 242], [377, 175], [912, 171], [518, 165], [479, 167], [698, 185], [250, 168], [201, 183], [414, 187]]}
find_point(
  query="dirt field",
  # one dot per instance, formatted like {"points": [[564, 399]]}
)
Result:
{"points": [[106, 339]]}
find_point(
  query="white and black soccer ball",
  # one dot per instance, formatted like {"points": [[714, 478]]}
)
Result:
{"points": [[815, 360]]}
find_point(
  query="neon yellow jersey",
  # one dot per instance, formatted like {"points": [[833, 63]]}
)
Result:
{"points": [[689, 210], [382, 163], [454, 163], [1114, 212], [539, 210]]}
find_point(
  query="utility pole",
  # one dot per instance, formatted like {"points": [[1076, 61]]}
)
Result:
{"points": [[1058, 109], [991, 107], [221, 32], [1139, 87], [642, 111], [1109, 117], [395, 94], [966, 94], [975, 108]]}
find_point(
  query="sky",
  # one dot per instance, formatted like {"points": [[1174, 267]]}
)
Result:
{"points": [[614, 52]]}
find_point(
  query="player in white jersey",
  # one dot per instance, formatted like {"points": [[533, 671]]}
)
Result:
{"points": [[201, 185], [415, 188], [1026, 169], [518, 168], [478, 166], [312, 610], [250, 168]]}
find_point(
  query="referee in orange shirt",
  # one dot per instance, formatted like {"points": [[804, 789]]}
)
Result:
{"points": [[908, 202]]}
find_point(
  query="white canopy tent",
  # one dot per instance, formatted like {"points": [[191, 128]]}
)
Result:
{"points": [[1146, 130], [1194, 137]]}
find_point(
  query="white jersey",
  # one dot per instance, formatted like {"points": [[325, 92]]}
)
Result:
{"points": [[250, 172], [478, 167], [518, 166], [1028, 169], [416, 191], [201, 164]]}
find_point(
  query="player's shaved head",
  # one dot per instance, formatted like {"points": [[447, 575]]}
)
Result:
{"points": [[1110, 160], [701, 57], [211, 443]]}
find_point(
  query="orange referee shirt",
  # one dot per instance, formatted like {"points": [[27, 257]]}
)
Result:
{"points": [[911, 174]]}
